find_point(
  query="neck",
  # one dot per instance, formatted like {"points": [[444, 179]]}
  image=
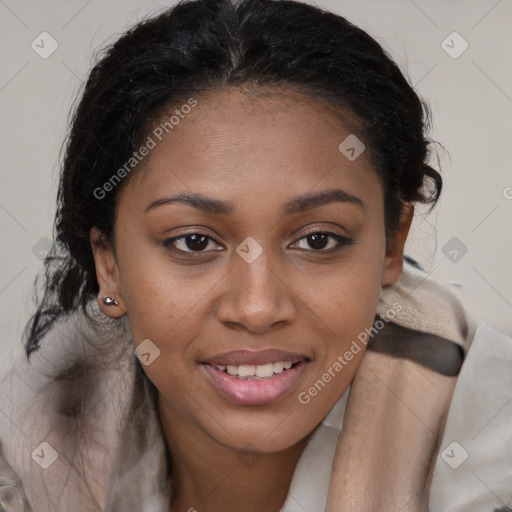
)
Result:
{"points": [[210, 477]]}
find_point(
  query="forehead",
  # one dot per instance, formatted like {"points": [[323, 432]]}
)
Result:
{"points": [[245, 142]]}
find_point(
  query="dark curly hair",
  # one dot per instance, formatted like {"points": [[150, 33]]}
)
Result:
{"points": [[199, 46]]}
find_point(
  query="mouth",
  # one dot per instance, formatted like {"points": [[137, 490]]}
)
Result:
{"points": [[255, 378], [256, 372]]}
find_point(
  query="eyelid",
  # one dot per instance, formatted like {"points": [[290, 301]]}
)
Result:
{"points": [[315, 230]]}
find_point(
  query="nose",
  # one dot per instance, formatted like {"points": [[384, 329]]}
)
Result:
{"points": [[256, 297]]}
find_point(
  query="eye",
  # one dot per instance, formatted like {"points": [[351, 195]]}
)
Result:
{"points": [[323, 241], [189, 243], [198, 243]]}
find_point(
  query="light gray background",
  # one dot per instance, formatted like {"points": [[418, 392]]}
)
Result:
{"points": [[470, 96]]}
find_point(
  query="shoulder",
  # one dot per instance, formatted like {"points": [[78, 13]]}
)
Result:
{"points": [[473, 469]]}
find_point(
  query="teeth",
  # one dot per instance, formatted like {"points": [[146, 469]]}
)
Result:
{"points": [[264, 370], [260, 371], [232, 370], [278, 367], [246, 371]]}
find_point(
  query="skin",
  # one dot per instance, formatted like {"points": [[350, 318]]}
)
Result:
{"points": [[257, 152]]}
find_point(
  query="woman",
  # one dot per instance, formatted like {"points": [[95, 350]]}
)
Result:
{"points": [[238, 186]]}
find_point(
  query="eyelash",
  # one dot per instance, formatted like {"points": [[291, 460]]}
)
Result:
{"points": [[341, 242]]}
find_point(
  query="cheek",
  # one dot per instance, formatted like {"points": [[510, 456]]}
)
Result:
{"points": [[161, 297], [348, 309], [352, 299], [348, 295]]}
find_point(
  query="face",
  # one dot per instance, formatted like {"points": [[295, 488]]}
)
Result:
{"points": [[250, 252]]}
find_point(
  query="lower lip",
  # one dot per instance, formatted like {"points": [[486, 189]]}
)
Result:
{"points": [[255, 392]]}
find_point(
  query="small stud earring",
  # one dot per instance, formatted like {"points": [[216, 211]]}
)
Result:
{"points": [[109, 301]]}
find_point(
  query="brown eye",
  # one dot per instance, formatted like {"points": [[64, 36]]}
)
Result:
{"points": [[194, 242], [323, 241]]}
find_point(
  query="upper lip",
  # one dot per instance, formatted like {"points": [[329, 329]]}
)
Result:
{"points": [[249, 357]]}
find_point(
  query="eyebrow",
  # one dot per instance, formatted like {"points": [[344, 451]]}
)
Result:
{"points": [[297, 204]]}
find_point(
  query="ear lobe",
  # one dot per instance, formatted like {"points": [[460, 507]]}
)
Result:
{"points": [[393, 262], [107, 273]]}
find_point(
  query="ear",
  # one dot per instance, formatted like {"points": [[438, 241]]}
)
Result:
{"points": [[393, 262], [107, 273]]}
